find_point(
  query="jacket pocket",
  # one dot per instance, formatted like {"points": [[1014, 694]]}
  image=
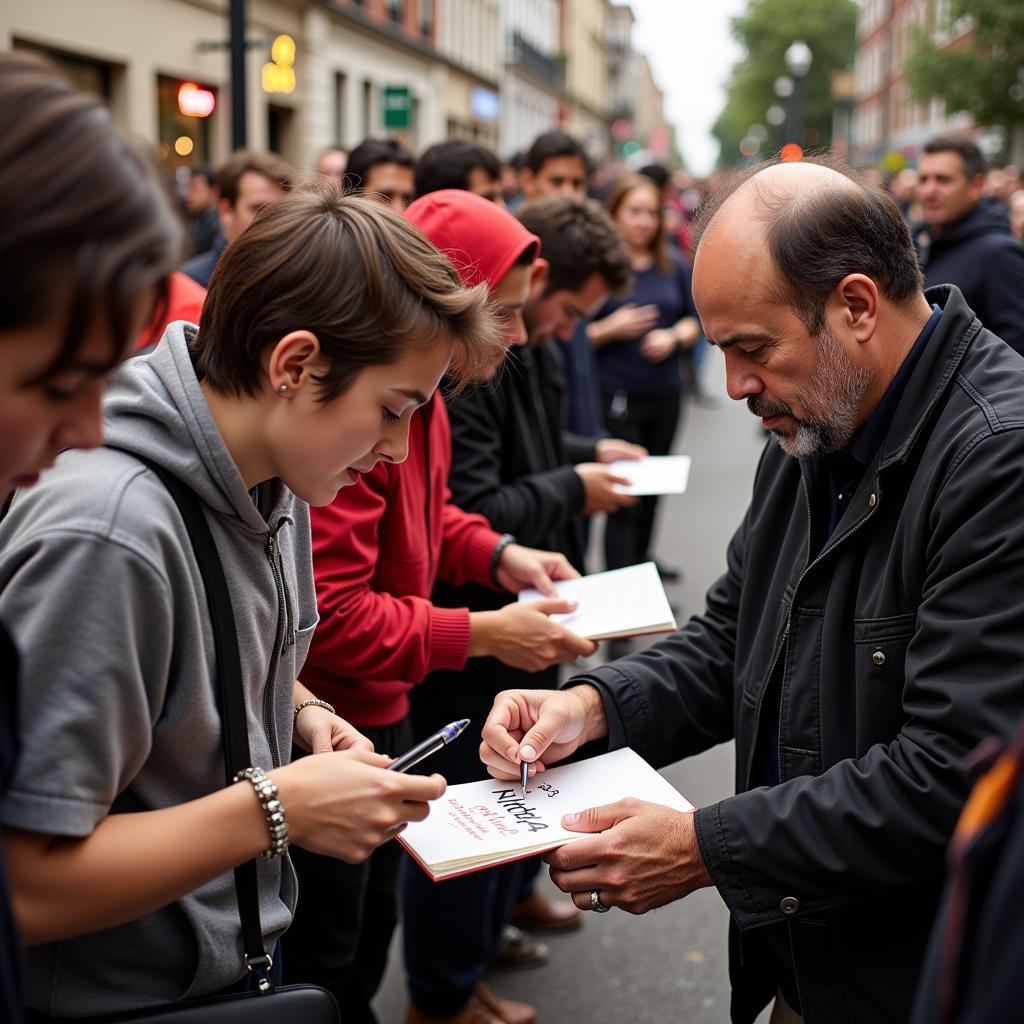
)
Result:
{"points": [[880, 657]]}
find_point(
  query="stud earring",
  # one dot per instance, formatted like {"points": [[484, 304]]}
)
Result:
{"points": [[283, 389]]}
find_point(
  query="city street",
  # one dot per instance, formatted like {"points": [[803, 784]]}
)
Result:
{"points": [[670, 965]]}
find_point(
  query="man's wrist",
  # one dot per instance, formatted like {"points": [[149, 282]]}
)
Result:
{"points": [[595, 722], [507, 540], [481, 626]]}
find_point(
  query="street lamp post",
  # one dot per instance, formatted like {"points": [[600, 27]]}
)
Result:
{"points": [[798, 62]]}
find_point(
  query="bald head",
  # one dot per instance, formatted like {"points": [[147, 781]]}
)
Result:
{"points": [[801, 228]]}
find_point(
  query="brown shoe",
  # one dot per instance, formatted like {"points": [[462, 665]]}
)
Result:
{"points": [[538, 913], [507, 1010], [474, 1013]]}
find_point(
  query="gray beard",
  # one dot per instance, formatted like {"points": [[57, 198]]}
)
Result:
{"points": [[831, 402]]}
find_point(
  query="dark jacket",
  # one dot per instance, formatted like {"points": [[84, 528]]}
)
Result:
{"points": [[975, 968], [904, 647], [981, 257], [200, 268], [513, 464]]}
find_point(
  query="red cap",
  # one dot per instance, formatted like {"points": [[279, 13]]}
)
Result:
{"points": [[482, 240]]}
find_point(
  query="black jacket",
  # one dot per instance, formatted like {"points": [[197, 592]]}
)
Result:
{"points": [[512, 462], [904, 647], [981, 257]]}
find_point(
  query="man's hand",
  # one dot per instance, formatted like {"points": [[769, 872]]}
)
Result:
{"points": [[522, 567], [644, 856], [319, 732], [658, 345], [524, 636], [599, 487], [612, 449], [539, 726]]}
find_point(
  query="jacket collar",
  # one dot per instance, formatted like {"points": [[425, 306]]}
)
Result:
{"points": [[933, 374]]}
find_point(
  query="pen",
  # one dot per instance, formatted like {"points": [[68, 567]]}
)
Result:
{"points": [[429, 746], [524, 771]]}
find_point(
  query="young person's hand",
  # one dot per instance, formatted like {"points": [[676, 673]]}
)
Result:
{"points": [[612, 449], [599, 487], [658, 345], [521, 567], [346, 804], [319, 732], [524, 637], [628, 321]]}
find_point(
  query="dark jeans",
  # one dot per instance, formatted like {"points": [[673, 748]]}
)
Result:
{"points": [[651, 422], [452, 929], [347, 913]]}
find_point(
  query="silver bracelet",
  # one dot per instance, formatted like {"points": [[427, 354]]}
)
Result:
{"points": [[266, 793], [312, 702]]}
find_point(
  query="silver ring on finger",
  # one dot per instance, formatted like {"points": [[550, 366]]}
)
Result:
{"points": [[595, 902]]}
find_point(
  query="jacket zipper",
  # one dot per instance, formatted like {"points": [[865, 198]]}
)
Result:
{"points": [[284, 622]]}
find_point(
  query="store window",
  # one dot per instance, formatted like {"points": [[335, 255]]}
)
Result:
{"points": [[91, 76], [185, 137]]}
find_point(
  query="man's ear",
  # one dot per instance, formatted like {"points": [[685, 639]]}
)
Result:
{"points": [[540, 272], [293, 362], [857, 296]]}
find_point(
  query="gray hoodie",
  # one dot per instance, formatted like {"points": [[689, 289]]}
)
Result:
{"points": [[99, 584]]}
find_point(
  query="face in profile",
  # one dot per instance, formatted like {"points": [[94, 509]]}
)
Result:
{"points": [[556, 314], [43, 410], [318, 447]]}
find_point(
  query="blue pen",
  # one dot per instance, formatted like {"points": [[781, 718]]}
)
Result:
{"points": [[429, 746]]}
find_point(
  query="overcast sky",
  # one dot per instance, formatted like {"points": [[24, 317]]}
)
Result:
{"points": [[692, 52]]}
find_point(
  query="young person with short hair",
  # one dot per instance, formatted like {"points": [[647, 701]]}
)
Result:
{"points": [[246, 181], [381, 170], [85, 253], [459, 164], [328, 322], [378, 550], [555, 164]]}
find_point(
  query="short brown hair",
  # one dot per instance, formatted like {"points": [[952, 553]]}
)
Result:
{"points": [[244, 161], [355, 274], [818, 238], [578, 240], [85, 218], [659, 247], [971, 157]]}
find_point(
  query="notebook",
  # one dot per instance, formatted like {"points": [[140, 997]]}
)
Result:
{"points": [[480, 824]]}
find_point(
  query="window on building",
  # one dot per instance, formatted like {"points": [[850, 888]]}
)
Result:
{"points": [[369, 124], [396, 10], [340, 99], [91, 76], [184, 140]]}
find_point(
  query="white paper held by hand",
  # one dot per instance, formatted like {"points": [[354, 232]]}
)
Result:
{"points": [[656, 474]]}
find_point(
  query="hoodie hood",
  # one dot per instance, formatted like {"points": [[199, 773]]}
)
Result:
{"points": [[155, 407], [482, 240]]}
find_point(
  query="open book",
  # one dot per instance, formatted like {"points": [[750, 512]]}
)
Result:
{"points": [[656, 474], [480, 824], [617, 603]]}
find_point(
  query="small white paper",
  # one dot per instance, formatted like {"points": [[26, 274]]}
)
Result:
{"points": [[656, 474], [618, 603], [479, 824]]}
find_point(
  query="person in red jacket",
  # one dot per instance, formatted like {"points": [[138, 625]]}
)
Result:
{"points": [[378, 550]]}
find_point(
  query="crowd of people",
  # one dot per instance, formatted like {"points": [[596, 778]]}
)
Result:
{"points": [[392, 390]]}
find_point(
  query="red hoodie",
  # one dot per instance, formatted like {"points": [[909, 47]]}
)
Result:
{"points": [[383, 543]]}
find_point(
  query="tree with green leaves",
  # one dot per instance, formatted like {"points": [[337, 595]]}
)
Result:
{"points": [[982, 74], [765, 31]]}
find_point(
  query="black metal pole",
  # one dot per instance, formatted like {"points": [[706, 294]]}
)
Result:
{"points": [[238, 104], [798, 112]]}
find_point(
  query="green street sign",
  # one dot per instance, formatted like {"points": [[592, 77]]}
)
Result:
{"points": [[397, 106]]}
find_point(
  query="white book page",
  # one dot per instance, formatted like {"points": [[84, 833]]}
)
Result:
{"points": [[656, 474], [488, 821], [620, 602]]}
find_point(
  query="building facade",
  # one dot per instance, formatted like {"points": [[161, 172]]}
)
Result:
{"points": [[887, 120], [588, 102]]}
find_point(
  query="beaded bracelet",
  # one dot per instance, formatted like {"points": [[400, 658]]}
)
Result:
{"points": [[266, 793], [312, 702]]}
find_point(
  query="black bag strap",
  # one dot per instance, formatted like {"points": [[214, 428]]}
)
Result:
{"points": [[230, 697]]}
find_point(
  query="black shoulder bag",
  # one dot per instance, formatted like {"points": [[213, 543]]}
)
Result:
{"points": [[286, 1004]]}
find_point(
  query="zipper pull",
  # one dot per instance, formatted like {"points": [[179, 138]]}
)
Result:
{"points": [[272, 545]]}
